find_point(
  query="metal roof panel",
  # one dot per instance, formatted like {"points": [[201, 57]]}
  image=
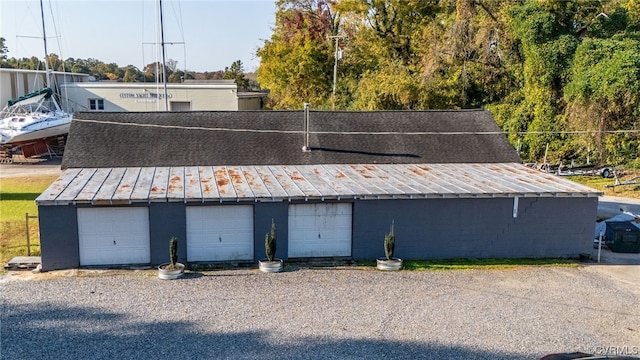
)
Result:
{"points": [[75, 186], [175, 190], [240, 183], [223, 180], [127, 184], [109, 186], [94, 184], [301, 182], [192, 188], [57, 187], [208, 184], [159, 184], [258, 187], [142, 188]]}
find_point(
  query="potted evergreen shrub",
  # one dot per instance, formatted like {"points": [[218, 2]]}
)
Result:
{"points": [[389, 262], [174, 269], [270, 264]]}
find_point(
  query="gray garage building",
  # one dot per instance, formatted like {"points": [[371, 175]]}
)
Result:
{"points": [[449, 180]]}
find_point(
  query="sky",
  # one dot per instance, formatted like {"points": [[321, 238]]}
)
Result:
{"points": [[208, 35]]}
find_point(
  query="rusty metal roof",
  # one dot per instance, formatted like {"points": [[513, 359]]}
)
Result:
{"points": [[304, 182]]}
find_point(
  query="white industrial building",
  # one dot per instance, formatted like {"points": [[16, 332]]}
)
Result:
{"points": [[17, 82], [188, 96], [78, 93]]}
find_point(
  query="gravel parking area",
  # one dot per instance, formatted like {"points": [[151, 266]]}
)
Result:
{"points": [[335, 313]]}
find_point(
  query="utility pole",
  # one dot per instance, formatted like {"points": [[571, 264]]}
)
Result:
{"points": [[164, 66], [335, 62]]}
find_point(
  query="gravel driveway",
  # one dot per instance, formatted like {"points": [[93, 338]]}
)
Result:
{"points": [[47, 167], [337, 313]]}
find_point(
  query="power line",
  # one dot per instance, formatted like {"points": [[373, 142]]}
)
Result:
{"points": [[200, 128]]}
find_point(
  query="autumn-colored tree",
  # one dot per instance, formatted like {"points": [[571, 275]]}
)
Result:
{"points": [[297, 61]]}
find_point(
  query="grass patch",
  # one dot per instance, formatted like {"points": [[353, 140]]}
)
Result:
{"points": [[17, 197], [468, 264]]}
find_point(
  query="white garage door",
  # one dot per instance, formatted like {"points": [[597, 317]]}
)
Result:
{"points": [[317, 230], [111, 236], [217, 233]]}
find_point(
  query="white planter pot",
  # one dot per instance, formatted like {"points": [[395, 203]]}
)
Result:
{"points": [[389, 265], [170, 274], [270, 266]]}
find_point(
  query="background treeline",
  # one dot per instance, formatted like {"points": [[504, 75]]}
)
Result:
{"points": [[548, 70], [150, 73]]}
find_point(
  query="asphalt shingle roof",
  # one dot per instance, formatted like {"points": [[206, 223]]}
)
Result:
{"points": [[237, 138]]}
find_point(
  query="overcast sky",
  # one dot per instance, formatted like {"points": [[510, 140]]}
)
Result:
{"points": [[215, 33]]}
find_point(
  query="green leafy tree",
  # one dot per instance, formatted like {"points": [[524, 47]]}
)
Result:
{"points": [[236, 72], [544, 40], [3, 50], [381, 67], [604, 94]]}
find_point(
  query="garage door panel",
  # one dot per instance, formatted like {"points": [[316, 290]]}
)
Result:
{"points": [[220, 233], [317, 230], [113, 236]]}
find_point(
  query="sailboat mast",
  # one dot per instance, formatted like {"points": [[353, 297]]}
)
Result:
{"points": [[164, 66], [46, 52]]}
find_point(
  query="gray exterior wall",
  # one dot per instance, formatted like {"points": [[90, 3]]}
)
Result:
{"points": [[167, 220], [263, 213], [424, 228], [475, 228], [59, 244]]}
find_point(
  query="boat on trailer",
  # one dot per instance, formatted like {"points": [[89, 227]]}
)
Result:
{"points": [[29, 123], [32, 117]]}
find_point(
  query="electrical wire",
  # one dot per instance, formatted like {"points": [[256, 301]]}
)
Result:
{"points": [[200, 128]]}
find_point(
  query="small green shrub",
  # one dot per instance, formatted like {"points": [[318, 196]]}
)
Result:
{"points": [[173, 251], [389, 243], [270, 242]]}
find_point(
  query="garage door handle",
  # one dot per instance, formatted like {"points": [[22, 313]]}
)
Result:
{"points": [[220, 238], [114, 242]]}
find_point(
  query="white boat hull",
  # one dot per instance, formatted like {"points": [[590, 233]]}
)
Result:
{"points": [[43, 130]]}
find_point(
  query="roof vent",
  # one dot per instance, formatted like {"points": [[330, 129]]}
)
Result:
{"points": [[305, 147]]}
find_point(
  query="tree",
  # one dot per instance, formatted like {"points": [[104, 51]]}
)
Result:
{"points": [[179, 76], [544, 40], [604, 94], [153, 70], [3, 50], [380, 66], [236, 72], [79, 69], [297, 61]]}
